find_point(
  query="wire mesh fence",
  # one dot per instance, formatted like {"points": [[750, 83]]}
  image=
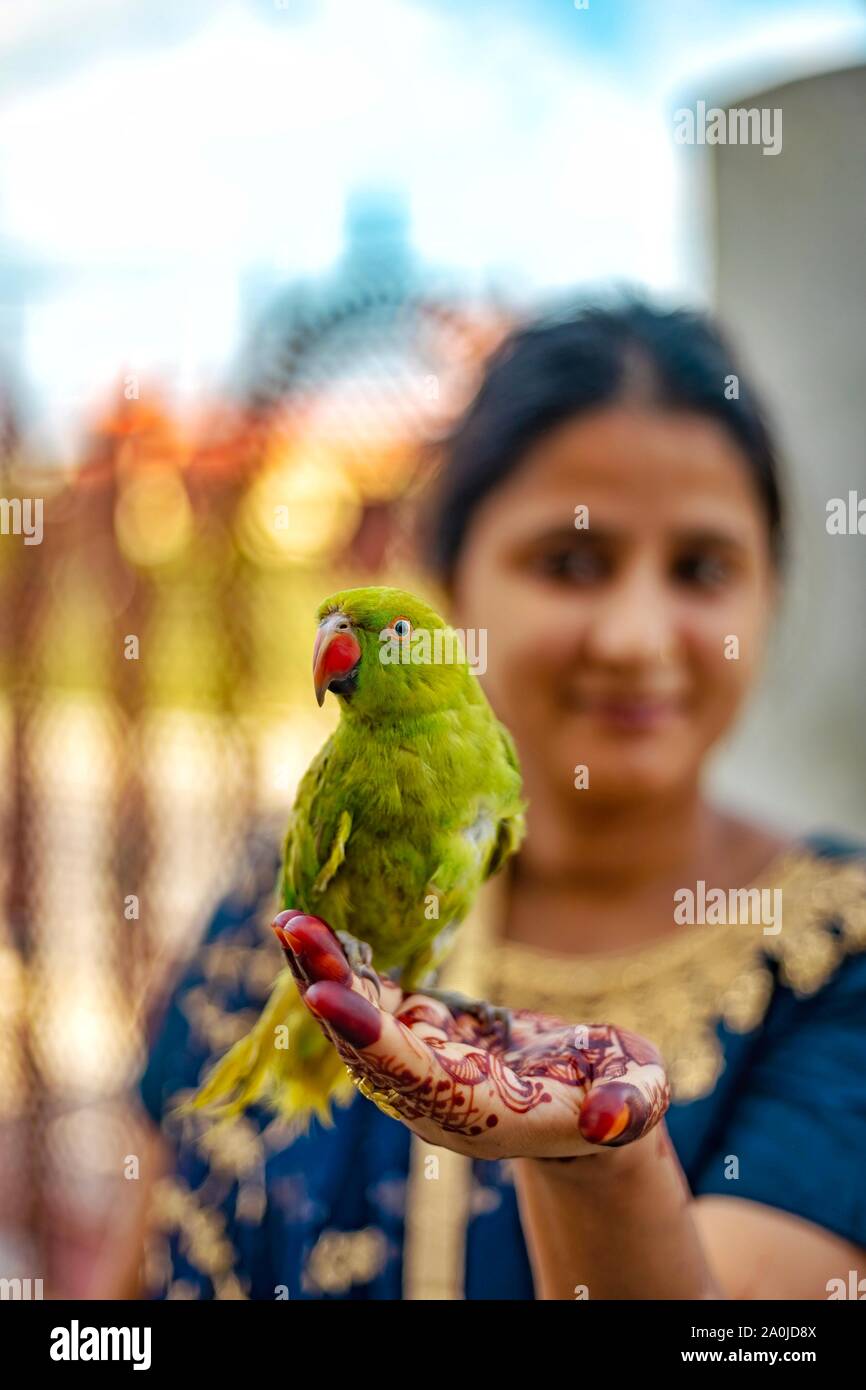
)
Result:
{"points": [[155, 710]]}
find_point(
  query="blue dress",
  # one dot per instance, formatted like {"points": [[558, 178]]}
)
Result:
{"points": [[769, 1105]]}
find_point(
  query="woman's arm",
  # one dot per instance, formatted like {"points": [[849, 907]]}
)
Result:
{"points": [[623, 1224], [759, 1251], [616, 1224]]}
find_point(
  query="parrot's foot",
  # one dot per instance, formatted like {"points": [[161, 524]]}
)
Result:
{"points": [[360, 957], [488, 1015]]}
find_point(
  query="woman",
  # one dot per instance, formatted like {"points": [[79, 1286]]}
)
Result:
{"points": [[612, 522]]}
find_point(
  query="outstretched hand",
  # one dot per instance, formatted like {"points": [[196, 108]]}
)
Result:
{"points": [[550, 1090]]}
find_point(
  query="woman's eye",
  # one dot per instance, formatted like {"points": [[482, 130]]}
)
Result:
{"points": [[702, 571], [573, 566]]}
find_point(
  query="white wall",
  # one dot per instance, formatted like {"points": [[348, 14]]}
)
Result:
{"points": [[790, 267]]}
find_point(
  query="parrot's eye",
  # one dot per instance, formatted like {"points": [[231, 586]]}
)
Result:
{"points": [[402, 628]]}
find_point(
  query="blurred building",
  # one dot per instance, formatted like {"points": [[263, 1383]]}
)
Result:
{"points": [[353, 369], [790, 285]]}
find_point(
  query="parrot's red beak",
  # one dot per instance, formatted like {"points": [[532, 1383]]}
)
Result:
{"points": [[335, 656]]}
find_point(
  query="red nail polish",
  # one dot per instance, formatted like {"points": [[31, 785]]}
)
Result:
{"points": [[280, 922], [317, 949], [348, 1013], [606, 1117], [283, 919]]}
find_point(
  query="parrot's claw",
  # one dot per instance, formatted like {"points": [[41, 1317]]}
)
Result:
{"points": [[488, 1015], [360, 957]]}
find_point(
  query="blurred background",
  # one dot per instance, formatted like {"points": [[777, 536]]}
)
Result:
{"points": [[253, 254]]}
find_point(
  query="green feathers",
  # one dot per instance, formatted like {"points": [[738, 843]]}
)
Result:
{"points": [[410, 805]]}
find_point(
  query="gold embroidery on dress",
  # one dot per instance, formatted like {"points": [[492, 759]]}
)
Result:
{"points": [[201, 1235], [673, 991], [217, 1027], [340, 1259]]}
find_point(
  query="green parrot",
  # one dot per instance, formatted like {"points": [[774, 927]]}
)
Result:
{"points": [[409, 806]]}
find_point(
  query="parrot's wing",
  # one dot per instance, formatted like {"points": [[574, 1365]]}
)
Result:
{"points": [[315, 844], [509, 748], [337, 854], [492, 836], [508, 840], [474, 853], [465, 864], [512, 824]]}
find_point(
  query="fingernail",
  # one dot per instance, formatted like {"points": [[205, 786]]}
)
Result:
{"points": [[278, 926], [280, 922], [607, 1116], [282, 919], [348, 1013], [319, 953]]}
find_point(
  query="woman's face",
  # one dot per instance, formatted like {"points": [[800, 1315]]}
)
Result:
{"points": [[627, 644]]}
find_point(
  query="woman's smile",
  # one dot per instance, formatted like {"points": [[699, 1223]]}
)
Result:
{"points": [[630, 712]]}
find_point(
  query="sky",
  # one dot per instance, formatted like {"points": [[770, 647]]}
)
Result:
{"points": [[152, 154]]}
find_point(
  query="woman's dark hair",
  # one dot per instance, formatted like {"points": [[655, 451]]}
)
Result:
{"points": [[559, 367]]}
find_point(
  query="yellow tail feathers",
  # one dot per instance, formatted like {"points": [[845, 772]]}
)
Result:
{"points": [[285, 1062]]}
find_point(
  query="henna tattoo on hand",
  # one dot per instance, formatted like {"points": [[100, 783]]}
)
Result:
{"points": [[460, 1091]]}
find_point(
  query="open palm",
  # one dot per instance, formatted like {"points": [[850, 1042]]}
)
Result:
{"points": [[550, 1089]]}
